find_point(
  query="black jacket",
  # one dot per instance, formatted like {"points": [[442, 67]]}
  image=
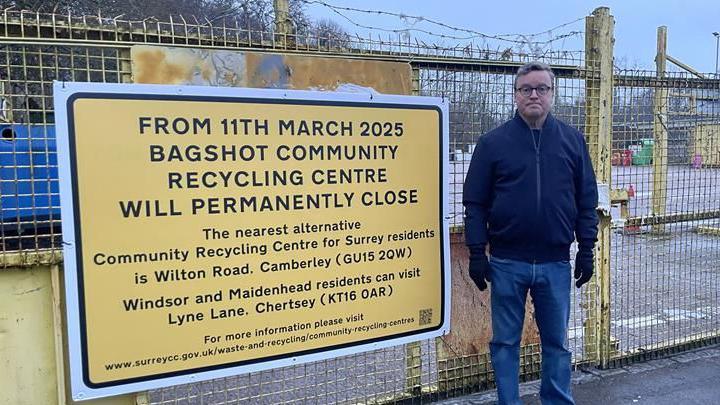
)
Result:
{"points": [[530, 196]]}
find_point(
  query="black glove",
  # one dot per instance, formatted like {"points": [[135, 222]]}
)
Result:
{"points": [[583, 265], [479, 267]]}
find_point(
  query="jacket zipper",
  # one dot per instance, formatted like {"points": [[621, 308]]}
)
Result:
{"points": [[537, 181], [537, 168], [537, 175]]}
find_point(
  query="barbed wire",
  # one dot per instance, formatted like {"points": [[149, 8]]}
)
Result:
{"points": [[474, 34]]}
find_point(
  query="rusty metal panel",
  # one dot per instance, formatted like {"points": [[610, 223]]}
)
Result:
{"points": [[161, 65], [470, 317], [328, 74], [462, 355], [168, 65]]}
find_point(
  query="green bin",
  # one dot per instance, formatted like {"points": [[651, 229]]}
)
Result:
{"points": [[644, 156]]}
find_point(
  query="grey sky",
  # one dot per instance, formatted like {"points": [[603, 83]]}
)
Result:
{"points": [[690, 23]]}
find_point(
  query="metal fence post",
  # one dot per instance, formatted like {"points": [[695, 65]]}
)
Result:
{"points": [[125, 65], [413, 351], [660, 133], [415, 78], [598, 129]]}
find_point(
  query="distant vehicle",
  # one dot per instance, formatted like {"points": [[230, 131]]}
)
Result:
{"points": [[29, 189]]}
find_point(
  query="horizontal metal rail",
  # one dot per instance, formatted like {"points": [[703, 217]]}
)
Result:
{"points": [[417, 60], [667, 82], [672, 218]]}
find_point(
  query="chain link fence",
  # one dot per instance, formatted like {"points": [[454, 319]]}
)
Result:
{"points": [[665, 242]]}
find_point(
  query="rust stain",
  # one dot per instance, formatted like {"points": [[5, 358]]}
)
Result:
{"points": [[206, 73], [28, 291], [307, 72], [231, 78], [164, 65], [152, 66], [470, 309], [268, 71], [167, 65]]}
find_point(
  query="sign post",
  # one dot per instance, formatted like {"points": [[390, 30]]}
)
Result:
{"points": [[211, 232]]}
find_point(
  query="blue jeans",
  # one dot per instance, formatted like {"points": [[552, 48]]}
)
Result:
{"points": [[549, 286]]}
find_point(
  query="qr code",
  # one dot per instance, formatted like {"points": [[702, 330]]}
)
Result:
{"points": [[425, 316]]}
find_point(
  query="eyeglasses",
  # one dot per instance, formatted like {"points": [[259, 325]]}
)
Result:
{"points": [[526, 91]]}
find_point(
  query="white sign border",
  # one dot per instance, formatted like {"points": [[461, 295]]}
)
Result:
{"points": [[63, 91]]}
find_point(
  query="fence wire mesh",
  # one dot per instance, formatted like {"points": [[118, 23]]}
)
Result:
{"points": [[665, 243], [665, 239], [29, 197], [372, 377]]}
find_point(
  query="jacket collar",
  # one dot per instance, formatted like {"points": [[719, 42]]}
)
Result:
{"points": [[549, 121]]}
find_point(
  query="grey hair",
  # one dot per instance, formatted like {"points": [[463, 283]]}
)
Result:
{"points": [[534, 67]]}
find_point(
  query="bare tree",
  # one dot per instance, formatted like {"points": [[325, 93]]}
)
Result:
{"points": [[250, 14], [329, 34], [130, 9], [253, 15]]}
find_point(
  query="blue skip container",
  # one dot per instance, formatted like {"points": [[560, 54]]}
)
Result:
{"points": [[29, 189]]}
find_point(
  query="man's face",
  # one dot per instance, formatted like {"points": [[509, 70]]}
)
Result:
{"points": [[534, 106]]}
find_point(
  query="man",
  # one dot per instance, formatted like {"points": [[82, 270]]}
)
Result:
{"points": [[530, 192]]}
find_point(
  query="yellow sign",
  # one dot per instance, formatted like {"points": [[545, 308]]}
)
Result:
{"points": [[229, 231]]}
